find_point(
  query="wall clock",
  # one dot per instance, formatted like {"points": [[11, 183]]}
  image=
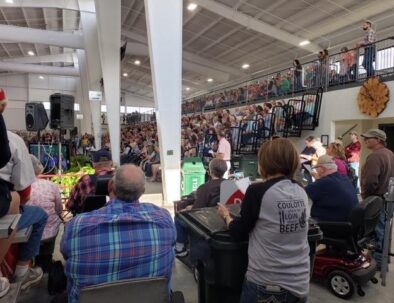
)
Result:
{"points": [[373, 97]]}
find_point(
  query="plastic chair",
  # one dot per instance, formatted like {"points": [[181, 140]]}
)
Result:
{"points": [[147, 290]]}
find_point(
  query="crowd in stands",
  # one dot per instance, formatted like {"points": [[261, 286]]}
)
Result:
{"points": [[325, 71]]}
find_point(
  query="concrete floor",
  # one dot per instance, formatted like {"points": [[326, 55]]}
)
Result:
{"points": [[183, 280]]}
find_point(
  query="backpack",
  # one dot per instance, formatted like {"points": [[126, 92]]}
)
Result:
{"points": [[351, 173], [57, 280]]}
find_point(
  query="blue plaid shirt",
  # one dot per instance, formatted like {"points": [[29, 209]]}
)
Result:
{"points": [[120, 241]]}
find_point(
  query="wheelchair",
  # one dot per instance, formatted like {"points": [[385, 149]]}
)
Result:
{"points": [[345, 263]]}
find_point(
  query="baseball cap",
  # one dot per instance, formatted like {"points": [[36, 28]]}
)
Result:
{"points": [[102, 155], [375, 133], [325, 159]]}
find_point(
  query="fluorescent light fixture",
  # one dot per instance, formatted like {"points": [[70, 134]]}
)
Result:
{"points": [[137, 62], [192, 6], [305, 42], [245, 66], [30, 53], [210, 80], [125, 74], [187, 88], [9, 1], [41, 77]]}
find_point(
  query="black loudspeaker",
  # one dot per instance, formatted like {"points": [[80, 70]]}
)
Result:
{"points": [[35, 116], [62, 111]]}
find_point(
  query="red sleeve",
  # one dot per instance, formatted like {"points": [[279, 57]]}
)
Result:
{"points": [[25, 194]]}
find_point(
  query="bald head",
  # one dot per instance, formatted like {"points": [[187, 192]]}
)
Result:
{"points": [[129, 183]]}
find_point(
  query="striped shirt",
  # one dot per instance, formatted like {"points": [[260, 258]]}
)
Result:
{"points": [[120, 241]]}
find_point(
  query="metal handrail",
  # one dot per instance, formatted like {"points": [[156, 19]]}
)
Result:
{"points": [[323, 73]]}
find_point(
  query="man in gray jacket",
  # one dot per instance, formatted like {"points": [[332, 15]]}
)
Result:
{"points": [[375, 175]]}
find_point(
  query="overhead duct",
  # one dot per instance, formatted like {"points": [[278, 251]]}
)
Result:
{"points": [[39, 69]]}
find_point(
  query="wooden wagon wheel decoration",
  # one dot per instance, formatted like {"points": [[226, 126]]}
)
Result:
{"points": [[373, 97]]}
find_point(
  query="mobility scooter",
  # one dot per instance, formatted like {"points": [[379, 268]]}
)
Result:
{"points": [[344, 262]]}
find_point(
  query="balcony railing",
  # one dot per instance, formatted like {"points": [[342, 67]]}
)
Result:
{"points": [[336, 70]]}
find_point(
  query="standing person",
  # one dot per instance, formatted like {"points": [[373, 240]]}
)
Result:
{"points": [[297, 75], [375, 176], [369, 48], [5, 154], [224, 151], [274, 216], [337, 152], [306, 157], [352, 152]]}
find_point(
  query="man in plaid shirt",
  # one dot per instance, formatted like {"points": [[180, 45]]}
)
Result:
{"points": [[102, 163], [369, 48], [123, 240]]}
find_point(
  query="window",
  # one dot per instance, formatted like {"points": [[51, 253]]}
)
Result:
{"points": [[122, 109], [76, 107], [103, 108]]}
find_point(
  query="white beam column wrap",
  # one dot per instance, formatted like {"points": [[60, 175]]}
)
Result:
{"points": [[89, 28], [164, 24], [109, 28], [86, 123]]}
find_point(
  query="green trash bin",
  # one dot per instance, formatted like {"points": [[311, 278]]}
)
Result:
{"points": [[192, 175], [248, 164]]}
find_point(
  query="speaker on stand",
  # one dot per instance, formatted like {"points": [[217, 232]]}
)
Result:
{"points": [[62, 111], [62, 117], [36, 117]]}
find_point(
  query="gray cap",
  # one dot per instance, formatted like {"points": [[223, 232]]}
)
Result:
{"points": [[375, 133]]}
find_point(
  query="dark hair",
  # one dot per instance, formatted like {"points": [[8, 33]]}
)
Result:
{"points": [[310, 138], [278, 156], [269, 105]]}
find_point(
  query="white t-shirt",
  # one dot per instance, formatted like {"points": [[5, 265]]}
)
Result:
{"points": [[225, 149], [19, 170]]}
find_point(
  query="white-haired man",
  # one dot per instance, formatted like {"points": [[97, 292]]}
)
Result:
{"points": [[332, 194]]}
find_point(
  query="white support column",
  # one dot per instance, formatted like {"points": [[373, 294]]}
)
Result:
{"points": [[109, 28], [92, 60], [164, 24], [86, 123]]}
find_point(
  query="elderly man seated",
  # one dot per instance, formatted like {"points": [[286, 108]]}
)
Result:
{"points": [[123, 240], [207, 195], [86, 185], [332, 194]]}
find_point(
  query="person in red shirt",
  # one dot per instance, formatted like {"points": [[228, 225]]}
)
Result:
{"points": [[352, 152]]}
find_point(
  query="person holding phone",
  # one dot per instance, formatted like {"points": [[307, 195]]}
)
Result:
{"points": [[274, 217]]}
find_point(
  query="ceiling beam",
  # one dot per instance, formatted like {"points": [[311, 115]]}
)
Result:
{"points": [[368, 10], [39, 69], [66, 57], [39, 36], [68, 4], [186, 55], [256, 25], [129, 11]]}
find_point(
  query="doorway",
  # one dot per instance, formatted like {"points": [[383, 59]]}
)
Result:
{"points": [[389, 130]]}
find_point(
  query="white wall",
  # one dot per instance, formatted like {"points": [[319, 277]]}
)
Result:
{"points": [[22, 88]]}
